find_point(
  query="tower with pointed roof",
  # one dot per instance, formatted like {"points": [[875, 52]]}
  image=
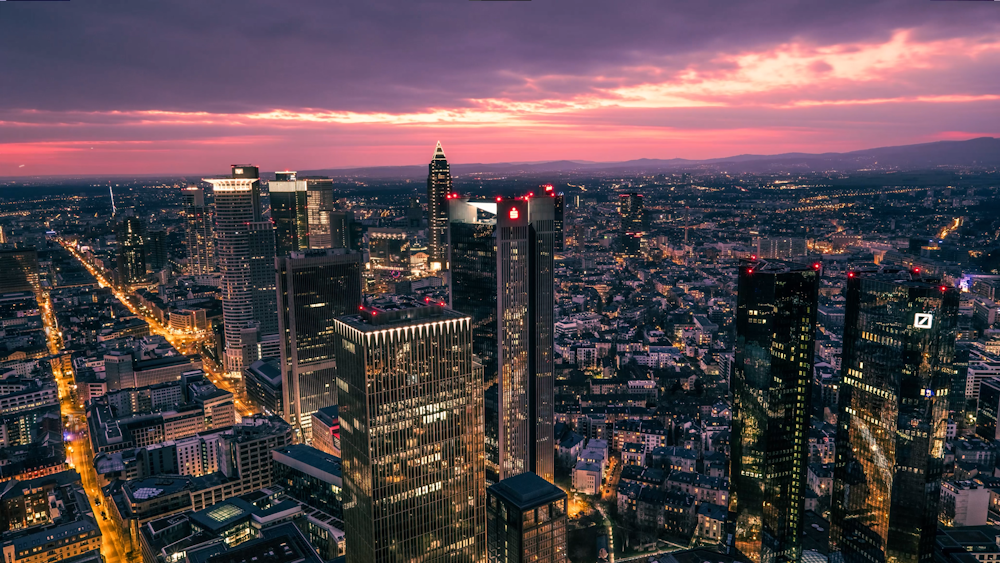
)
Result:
{"points": [[438, 188]]}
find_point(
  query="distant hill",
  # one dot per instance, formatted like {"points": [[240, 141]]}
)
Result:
{"points": [[983, 152]]}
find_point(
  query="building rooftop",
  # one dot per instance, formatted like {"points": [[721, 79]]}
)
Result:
{"points": [[309, 460], [527, 491], [393, 311]]}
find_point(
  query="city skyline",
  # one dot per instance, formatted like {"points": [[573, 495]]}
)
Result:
{"points": [[586, 81]]}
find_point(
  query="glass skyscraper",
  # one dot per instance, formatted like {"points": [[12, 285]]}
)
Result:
{"points": [[772, 388], [314, 288], [288, 209], [411, 434], [502, 275], [899, 339], [438, 189], [131, 251], [319, 195], [632, 217], [198, 220]]}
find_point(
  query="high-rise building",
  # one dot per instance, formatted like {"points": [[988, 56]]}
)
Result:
{"points": [[319, 194], [200, 244], [18, 269], [772, 391], [245, 251], [899, 338], [438, 193], [314, 288], [342, 230], [131, 251], [502, 275], [156, 250], [632, 225], [780, 247], [412, 434], [560, 223], [289, 212], [525, 521]]}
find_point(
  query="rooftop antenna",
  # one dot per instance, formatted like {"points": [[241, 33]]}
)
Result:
{"points": [[114, 209]]}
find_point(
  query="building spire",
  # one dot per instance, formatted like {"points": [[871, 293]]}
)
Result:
{"points": [[439, 152]]}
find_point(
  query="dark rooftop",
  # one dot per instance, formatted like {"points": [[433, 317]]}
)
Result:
{"points": [[526, 491]]}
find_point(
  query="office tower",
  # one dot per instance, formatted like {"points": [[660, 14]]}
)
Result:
{"points": [[342, 233], [899, 337], [772, 390], [389, 250], [156, 250], [200, 243], [319, 193], [288, 210], [314, 288], [502, 275], [262, 380], [131, 251], [988, 409], [414, 214], [525, 521], [245, 252], [632, 225], [412, 440], [560, 223], [438, 192], [18, 269]]}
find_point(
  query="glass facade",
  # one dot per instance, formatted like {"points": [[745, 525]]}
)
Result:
{"points": [[314, 288], [18, 269], [288, 210], [899, 339], [412, 435], [131, 251], [438, 189], [502, 275], [320, 206], [772, 389], [526, 521], [198, 219], [632, 216]]}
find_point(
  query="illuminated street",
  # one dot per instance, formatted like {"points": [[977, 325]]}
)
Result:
{"points": [[184, 343]]}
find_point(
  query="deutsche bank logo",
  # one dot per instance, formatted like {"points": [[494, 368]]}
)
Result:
{"points": [[923, 320]]}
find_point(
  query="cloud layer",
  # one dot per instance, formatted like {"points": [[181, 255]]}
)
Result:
{"points": [[190, 86]]}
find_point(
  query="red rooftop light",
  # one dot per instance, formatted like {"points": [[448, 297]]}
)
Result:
{"points": [[850, 274], [549, 187], [944, 288], [499, 198], [361, 307], [441, 303], [531, 194], [916, 270], [753, 257], [816, 266]]}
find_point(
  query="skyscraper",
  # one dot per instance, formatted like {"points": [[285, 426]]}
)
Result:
{"points": [[560, 222], [632, 217], [899, 338], [288, 209], [438, 189], [772, 389], [131, 251], [200, 244], [18, 269], [502, 275], [525, 521], [314, 288], [319, 193], [342, 233], [156, 249], [242, 240], [411, 412]]}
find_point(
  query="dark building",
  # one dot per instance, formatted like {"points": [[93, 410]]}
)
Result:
{"points": [[412, 445], [18, 269], [525, 521], [899, 338], [319, 194], [502, 261], [314, 288], [632, 223], [263, 383], [310, 476], [438, 192], [343, 233], [414, 214], [560, 223], [131, 251], [289, 212], [199, 236], [772, 390], [988, 409], [156, 250]]}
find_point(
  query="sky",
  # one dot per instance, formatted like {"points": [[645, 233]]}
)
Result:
{"points": [[188, 86]]}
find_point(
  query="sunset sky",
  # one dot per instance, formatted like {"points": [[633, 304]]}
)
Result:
{"points": [[191, 86]]}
